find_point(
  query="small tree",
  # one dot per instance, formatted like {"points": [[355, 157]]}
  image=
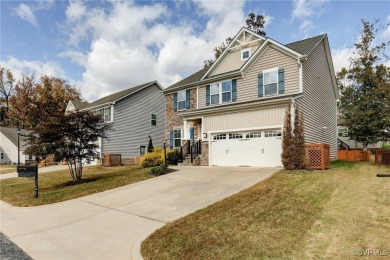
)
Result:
{"points": [[72, 136], [298, 143], [150, 145], [293, 142], [287, 152]]}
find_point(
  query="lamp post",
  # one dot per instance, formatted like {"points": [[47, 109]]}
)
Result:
{"points": [[44, 154], [18, 131], [165, 154]]}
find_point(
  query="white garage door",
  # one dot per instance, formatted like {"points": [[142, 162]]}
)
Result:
{"points": [[250, 148]]}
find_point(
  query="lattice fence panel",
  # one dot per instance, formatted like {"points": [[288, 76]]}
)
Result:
{"points": [[112, 160], [317, 156], [382, 156]]}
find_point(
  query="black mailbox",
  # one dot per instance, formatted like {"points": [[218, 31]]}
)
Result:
{"points": [[27, 170]]}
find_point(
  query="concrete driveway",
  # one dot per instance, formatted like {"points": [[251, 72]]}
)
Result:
{"points": [[112, 224]]}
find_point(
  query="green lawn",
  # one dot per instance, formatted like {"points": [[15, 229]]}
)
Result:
{"points": [[57, 186], [292, 215]]}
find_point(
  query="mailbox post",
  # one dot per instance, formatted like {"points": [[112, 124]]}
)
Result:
{"points": [[29, 171]]}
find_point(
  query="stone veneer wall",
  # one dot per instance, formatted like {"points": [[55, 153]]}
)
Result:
{"points": [[204, 157], [173, 119]]}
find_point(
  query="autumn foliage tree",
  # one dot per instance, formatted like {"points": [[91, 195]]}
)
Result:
{"points": [[35, 101], [72, 137], [7, 81], [293, 142]]}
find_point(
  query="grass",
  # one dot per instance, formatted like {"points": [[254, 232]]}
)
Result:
{"points": [[7, 168], [292, 215], [58, 186]]}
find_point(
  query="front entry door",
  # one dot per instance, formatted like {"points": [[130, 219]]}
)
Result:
{"points": [[192, 135]]}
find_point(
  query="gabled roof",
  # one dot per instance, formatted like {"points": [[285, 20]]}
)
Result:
{"points": [[305, 46], [79, 104], [120, 95], [12, 135], [299, 48]]}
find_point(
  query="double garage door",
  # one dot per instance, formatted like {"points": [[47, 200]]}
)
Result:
{"points": [[261, 148]]}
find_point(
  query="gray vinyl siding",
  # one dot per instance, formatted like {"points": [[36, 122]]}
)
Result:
{"points": [[132, 123], [247, 86], [319, 101]]}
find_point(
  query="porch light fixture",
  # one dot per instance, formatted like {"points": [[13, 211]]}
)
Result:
{"points": [[204, 135]]}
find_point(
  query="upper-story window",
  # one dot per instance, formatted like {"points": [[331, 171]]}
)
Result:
{"points": [[181, 100], [221, 92], [245, 54], [153, 119], [104, 112], [271, 82]]}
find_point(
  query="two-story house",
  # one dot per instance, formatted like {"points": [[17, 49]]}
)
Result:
{"points": [[236, 108], [136, 114]]}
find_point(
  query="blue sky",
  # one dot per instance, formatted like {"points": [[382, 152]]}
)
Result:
{"points": [[106, 46]]}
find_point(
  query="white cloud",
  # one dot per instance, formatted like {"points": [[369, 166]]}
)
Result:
{"points": [[341, 57], [18, 67], [26, 13], [129, 47], [305, 11], [76, 57]]}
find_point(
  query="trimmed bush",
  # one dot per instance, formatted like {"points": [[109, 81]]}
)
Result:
{"points": [[157, 170], [386, 146], [155, 158], [173, 156]]}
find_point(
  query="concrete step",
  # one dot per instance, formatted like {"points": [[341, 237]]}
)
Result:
{"points": [[185, 164]]}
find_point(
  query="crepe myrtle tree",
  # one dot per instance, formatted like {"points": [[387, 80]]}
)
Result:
{"points": [[73, 137]]}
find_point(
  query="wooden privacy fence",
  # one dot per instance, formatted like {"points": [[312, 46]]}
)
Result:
{"points": [[317, 156], [382, 156], [112, 160], [353, 155]]}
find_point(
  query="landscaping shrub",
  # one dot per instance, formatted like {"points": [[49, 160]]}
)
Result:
{"points": [[386, 146], [173, 156], [155, 158], [158, 170]]}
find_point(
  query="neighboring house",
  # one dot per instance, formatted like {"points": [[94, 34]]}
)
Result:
{"points": [[345, 142], [236, 108], [9, 146], [136, 114]]}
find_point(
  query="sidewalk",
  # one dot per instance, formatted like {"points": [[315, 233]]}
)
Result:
{"points": [[40, 170]]}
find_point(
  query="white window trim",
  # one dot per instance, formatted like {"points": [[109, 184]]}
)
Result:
{"points": [[181, 137], [185, 98], [242, 53], [103, 114], [277, 81], [220, 92]]}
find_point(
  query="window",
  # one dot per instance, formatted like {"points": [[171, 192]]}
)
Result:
{"points": [[104, 112], [235, 136], [181, 100], [154, 119], [272, 133], [2, 156], [30, 156], [226, 91], [214, 93], [177, 138], [219, 137], [271, 83], [253, 135], [142, 150], [245, 54]]}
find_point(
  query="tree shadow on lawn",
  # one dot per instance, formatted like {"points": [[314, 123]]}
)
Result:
{"points": [[73, 183]]}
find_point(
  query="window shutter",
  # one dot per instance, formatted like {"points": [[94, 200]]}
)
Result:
{"points": [[281, 81], [260, 84], [234, 90], [171, 138], [187, 99], [208, 95], [175, 101]]}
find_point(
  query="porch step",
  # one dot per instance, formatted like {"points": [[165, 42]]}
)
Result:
{"points": [[185, 164]]}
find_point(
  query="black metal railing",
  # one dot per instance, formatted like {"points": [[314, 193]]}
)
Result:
{"points": [[342, 145], [196, 148]]}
